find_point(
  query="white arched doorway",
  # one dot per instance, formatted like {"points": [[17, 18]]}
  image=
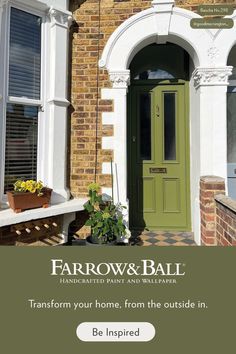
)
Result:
{"points": [[208, 83]]}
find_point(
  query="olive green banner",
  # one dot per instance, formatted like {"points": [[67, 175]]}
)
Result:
{"points": [[163, 299], [214, 23], [215, 10]]}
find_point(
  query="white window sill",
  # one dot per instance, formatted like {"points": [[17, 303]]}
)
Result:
{"points": [[8, 217]]}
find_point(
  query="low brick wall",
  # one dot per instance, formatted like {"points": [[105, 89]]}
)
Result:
{"points": [[210, 186], [225, 221]]}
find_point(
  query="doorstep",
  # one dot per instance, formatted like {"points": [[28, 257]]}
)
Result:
{"points": [[162, 238], [8, 217]]}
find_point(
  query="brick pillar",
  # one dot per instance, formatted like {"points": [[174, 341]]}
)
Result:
{"points": [[209, 187]]}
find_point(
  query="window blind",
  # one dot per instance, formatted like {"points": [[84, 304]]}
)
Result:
{"points": [[24, 55], [21, 143]]}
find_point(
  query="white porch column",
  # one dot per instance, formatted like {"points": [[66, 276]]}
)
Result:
{"points": [[212, 83], [120, 81], [57, 103]]}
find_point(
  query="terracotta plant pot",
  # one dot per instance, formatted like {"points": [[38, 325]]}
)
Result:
{"points": [[19, 201]]}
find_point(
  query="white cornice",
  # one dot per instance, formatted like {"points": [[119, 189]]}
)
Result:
{"points": [[212, 76], [57, 101]]}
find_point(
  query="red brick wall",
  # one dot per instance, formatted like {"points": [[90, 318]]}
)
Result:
{"points": [[225, 221], [210, 186]]}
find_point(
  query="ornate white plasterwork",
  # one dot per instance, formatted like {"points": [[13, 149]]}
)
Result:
{"points": [[213, 53], [120, 79], [212, 76], [59, 17]]}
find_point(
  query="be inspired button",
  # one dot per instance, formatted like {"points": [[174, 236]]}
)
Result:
{"points": [[115, 331]]}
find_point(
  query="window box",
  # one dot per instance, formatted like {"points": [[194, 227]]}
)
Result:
{"points": [[19, 201]]}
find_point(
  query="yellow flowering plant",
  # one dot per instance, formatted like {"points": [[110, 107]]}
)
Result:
{"points": [[30, 186]]}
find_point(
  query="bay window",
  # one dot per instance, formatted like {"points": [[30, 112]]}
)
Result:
{"points": [[33, 104], [33, 94]]}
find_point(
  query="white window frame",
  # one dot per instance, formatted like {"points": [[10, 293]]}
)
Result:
{"points": [[22, 100]]}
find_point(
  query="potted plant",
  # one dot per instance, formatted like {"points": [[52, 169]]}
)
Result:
{"points": [[28, 195], [105, 219]]}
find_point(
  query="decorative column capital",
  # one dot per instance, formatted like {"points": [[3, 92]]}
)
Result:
{"points": [[59, 17], [120, 79], [212, 76], [163, 5]]}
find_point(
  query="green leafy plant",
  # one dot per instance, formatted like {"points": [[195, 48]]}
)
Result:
{"points": [[30, 186], [105, 218]]}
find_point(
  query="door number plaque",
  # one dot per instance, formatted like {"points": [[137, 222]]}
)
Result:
{"points": [[158, 170]]}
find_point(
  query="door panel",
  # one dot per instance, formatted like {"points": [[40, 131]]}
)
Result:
{"points": [[158, 158], [171, 195], [149, 191]]}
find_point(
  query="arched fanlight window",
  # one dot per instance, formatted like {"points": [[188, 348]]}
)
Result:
{"points": [[160, 62]]}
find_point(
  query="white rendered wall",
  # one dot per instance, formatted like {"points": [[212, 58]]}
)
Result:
{"points": [[213, 131]]}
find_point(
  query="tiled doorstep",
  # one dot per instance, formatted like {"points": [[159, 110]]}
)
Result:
{"points": [[162, 238]]}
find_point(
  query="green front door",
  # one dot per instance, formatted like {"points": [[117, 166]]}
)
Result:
{"points": [[159, 157]]}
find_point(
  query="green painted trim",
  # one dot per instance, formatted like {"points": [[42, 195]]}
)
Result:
{"points": [[187, 130]]}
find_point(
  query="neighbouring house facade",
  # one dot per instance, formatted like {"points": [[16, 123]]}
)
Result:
{"points": [[127, 94]]}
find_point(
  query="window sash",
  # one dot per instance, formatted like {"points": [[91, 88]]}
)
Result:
{"points": [[24, 62], [25, 152], [21, 144]]}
